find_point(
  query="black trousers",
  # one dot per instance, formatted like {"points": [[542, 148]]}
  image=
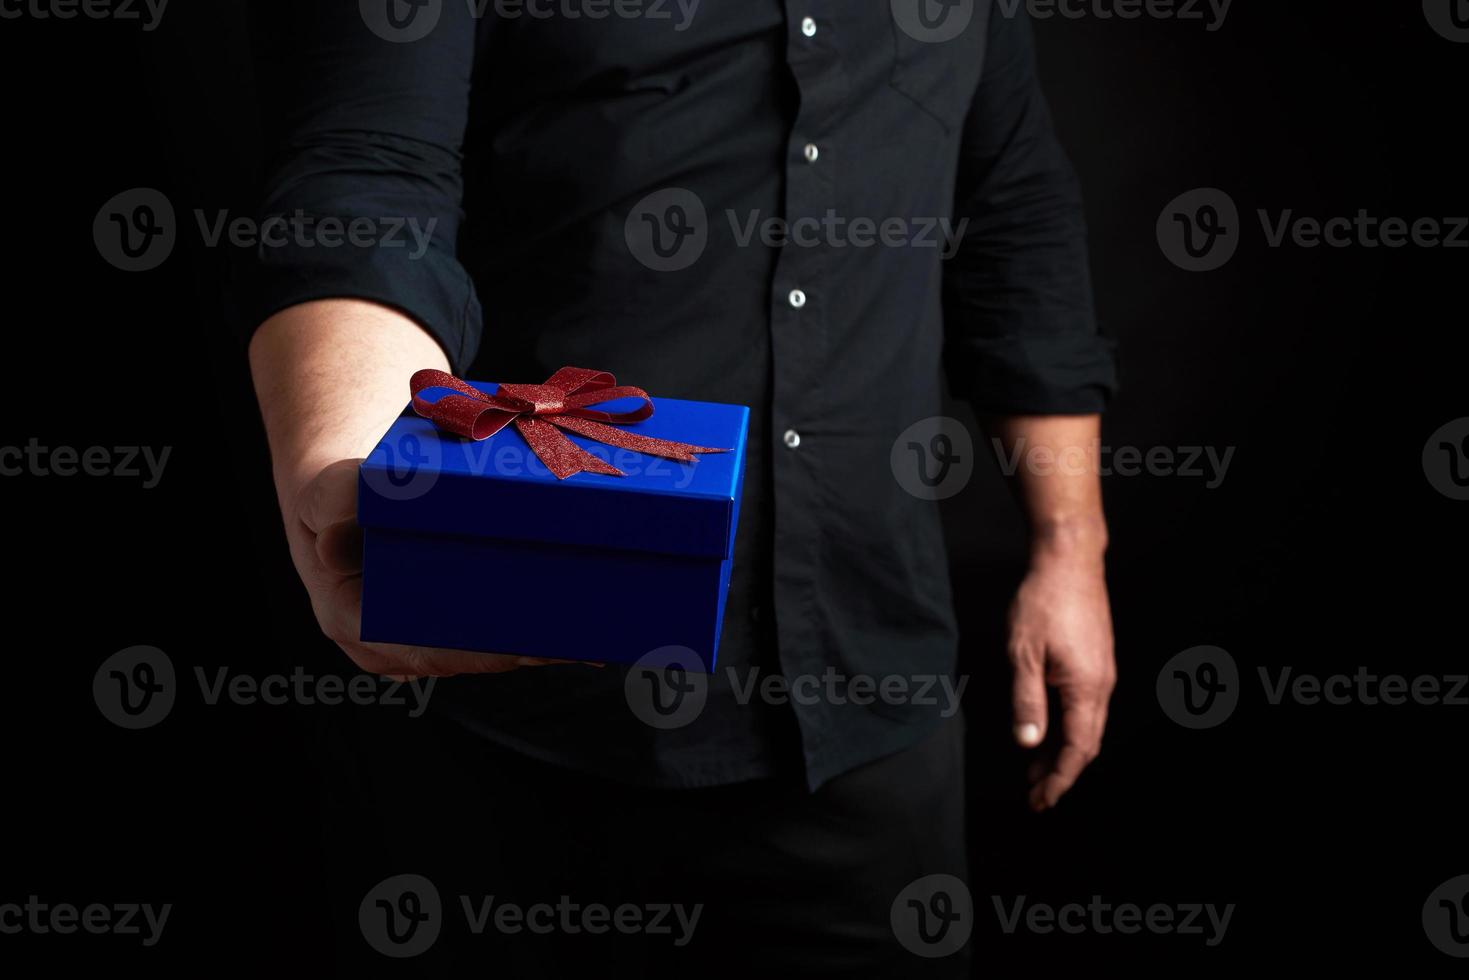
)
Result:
{"points": [[529, 870]]}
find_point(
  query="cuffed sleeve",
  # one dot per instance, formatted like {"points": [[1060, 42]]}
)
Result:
{"points": [[363, 187], [1021, 334]]}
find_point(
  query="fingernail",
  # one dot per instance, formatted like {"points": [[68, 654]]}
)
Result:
{"points": [[1028, 733]]}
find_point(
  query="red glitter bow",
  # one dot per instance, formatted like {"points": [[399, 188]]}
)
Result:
{"points": [[538, 410]]}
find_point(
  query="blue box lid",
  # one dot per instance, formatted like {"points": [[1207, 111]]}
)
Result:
{"points": [[420, 478]]}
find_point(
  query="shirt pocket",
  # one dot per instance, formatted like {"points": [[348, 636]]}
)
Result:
{"points": [[938, 54]]}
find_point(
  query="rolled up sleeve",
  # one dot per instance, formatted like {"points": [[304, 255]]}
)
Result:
{"points": [[363, 186], [1021, 334]]}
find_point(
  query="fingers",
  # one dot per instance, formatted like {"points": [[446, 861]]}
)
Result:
{"points": [[340, 614], [327, 507], [339, 548], [1028, 694], [408, 663], [437, 662], [1083, 715]]}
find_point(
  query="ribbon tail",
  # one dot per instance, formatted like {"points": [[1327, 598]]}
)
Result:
{"points": [[623, 439], [561, 456]]}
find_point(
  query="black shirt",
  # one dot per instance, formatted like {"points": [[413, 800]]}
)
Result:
{"points": [[600, 193]]}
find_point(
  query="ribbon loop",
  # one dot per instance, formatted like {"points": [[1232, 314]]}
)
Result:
{"points": [[541, 411]]}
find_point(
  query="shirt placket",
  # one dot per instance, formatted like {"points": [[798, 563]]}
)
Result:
{"points": [[801, 302]]}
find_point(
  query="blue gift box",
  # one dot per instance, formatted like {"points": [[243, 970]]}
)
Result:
{"points": [[477, 546]]}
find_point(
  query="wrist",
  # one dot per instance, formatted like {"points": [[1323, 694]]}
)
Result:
{"points": [[330, 377], [1070, 540]]}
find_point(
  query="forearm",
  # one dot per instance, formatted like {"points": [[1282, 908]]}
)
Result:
{"points": [[330, 377], [1057, 482]]}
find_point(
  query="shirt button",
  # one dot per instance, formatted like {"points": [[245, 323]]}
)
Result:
{"points": [[811, 152], [797, 298], [792, 438], [808, 27]]}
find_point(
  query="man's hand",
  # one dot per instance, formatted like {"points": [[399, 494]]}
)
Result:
{"points": [[1061, 637], [331, 376], [1060, 622], [326, 545]]}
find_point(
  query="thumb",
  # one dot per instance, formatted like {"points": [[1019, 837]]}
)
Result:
{"points": [[1028, 697], [330, 497]]}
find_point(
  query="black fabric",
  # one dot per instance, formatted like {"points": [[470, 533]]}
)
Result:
{"points": [[530, 143], [782, 875]]}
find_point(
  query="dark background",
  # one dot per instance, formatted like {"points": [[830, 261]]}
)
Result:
{"points": [[1325, 547]]}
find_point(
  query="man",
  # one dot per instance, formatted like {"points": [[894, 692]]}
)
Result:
{"points": [[530, 143]]}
